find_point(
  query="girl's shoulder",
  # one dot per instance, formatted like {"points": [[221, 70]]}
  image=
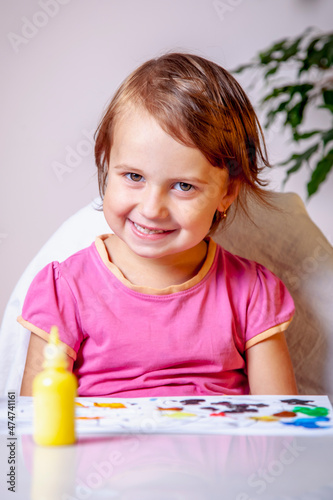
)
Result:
{"points": [[78, 267], [85, 258], [244, 271], [234, 262]]}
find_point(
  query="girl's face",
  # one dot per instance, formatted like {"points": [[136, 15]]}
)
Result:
{"points": [[161, 195]]}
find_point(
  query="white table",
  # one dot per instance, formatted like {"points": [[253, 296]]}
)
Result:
{"points": [[170, 467]]}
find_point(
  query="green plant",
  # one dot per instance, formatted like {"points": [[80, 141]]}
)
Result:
{"points": [[298, 74]]}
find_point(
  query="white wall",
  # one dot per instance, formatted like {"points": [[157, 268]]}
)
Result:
{"points": [[58, 77]]}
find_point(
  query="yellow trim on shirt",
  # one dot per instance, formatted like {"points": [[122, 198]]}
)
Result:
{"points": [[45, 336], [267, 333], [101, 249]]}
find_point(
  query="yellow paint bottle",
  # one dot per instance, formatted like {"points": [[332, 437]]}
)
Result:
{"points": [[54, 392]]}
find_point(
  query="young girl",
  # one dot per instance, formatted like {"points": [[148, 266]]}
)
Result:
{"points": [[157, 308]]}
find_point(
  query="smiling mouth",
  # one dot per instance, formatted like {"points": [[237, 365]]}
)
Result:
{"points": [[146, 230]]}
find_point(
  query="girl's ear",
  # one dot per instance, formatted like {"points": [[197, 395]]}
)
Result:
{"points": [[231, 194]]}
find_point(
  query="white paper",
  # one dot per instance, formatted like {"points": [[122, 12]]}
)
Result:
{"points": [[196, 415]]}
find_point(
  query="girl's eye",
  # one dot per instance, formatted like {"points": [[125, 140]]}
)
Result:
{"points": [[134, 177], [183, 186]]}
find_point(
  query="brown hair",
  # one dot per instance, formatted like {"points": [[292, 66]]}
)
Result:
{"points": [[200, 105]]}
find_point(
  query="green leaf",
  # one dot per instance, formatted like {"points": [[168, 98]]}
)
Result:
{"points": [[271, 71], [308, 60], [266, 57], [298, 159], [320, 173], [281, 51], [329, 50], [312, 45], [244, 67], [326, 52], [302, 89], [282, 106], [321, 58], [273, 112], [299, 137], [327, 136], [326, 106], [291, 50], [290, 90], [270, 118], [295, 115], [328, 97], [275, 93]]}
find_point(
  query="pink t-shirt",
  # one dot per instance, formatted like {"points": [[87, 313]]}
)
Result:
{"points": [[132, 341]]}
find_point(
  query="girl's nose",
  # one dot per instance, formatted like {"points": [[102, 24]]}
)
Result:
{"points": [[153, 204]]}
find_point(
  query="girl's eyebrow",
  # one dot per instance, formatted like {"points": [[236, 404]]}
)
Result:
{"points": [[189, 180], [124, 166]]}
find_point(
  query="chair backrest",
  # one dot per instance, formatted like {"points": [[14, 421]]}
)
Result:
{"points": [[285, 240], [288, 243]]}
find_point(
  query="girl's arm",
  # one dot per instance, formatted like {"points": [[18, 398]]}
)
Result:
{"points": [[269, 367], [34, 363]]}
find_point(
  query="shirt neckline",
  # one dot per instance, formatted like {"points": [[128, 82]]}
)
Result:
{"points": [[103, 254]]}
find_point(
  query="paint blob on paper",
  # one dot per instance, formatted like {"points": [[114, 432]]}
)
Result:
{"points": [[294, 401], [110, 405], [308, 423], [312, 412], [285, 414]]}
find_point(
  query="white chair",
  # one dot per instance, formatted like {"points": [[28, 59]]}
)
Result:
{"points": [[77, 232], [284, 240]]}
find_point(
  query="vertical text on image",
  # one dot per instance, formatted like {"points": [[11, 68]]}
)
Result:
{"points": [[11, 443]]}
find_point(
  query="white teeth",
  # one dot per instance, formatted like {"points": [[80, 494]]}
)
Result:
{"points": [[145, 230]]}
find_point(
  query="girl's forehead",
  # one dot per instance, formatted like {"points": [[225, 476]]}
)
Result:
{"points": [[136, 114], [131, 114], [137, 132]]}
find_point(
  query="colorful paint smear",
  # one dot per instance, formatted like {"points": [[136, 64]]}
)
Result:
{"points": [[319, 411], [285, 414], [265, 418], [110, 405], [308, 423], [294, 401], [179, 414], [170, 409]]}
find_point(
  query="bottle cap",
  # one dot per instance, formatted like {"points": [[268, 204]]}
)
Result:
{"points": [[54, 354]]}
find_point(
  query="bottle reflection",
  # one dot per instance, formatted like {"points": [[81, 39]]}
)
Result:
{"points": [[54, 470]]}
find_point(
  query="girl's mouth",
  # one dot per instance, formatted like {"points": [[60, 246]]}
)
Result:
{"points": [[146, 230]]}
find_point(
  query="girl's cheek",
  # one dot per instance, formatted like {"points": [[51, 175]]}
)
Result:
{"points": [[191, 212], [199, 206]]}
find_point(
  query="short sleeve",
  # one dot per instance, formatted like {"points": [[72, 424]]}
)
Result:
{"points": [[270, 308], [49, 302]]}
